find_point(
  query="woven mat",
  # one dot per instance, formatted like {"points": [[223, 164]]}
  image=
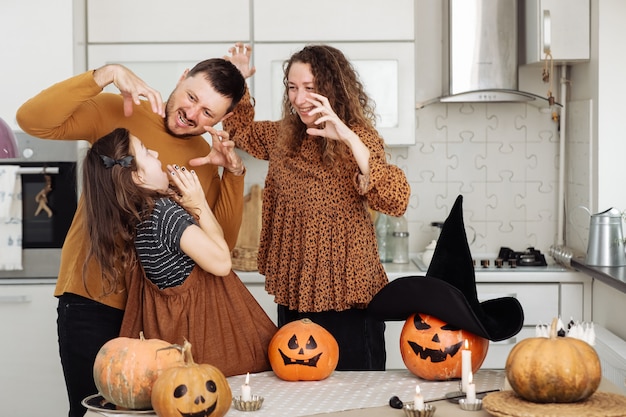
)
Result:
{"points": [[600, 404]]}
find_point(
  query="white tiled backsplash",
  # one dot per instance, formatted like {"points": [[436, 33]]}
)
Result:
{"points": [[502, 157]]}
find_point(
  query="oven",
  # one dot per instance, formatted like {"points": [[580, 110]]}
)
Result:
{"points": [[48, 173]]}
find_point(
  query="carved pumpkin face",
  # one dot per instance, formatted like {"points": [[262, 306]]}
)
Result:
{"points": [[191, 390], [431, 348], [303, 351]]}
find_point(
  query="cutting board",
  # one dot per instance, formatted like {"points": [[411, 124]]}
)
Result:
{"points": [[244, 255]]}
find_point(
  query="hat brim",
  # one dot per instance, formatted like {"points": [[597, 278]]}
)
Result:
{"points": [[495, 319]]}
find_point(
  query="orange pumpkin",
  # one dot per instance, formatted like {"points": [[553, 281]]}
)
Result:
{"points": [[125, 369], [191, 389], [431, 348], [303, 351], [553, 369]]}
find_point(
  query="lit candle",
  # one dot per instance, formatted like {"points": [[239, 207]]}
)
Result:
{"points": [[470, 396], [246, 394], [418, 400], [466, 365]]}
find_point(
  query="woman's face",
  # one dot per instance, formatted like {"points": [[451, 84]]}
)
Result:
{"points": [[300, 83], [149, 173]]}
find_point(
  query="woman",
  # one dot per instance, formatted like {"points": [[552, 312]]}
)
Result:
{"points": [[190, 292], [327, 166]]}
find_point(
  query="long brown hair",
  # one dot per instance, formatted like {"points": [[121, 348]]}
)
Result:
{"points": [[114, 206], [336, 79]]}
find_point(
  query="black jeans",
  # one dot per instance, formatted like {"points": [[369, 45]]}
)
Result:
{"points": [[361, 339], [83, 326]]}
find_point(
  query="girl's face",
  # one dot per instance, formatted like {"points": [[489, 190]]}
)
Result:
{"points": [[149, 173], [300, 85]]}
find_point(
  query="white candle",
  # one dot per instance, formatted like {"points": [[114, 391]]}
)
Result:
{"points": [[466, 365], [418, 400], [246, 394], [470, 396]]}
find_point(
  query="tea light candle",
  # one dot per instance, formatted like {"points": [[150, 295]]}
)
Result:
{"points": [[246, 394], [470, 396], [418, 400], [466, 365]]}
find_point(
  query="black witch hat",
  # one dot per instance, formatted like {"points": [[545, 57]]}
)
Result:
{"points": [[448, 291]]}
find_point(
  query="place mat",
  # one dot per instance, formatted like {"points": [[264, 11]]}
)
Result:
{"points": [[509, 404], [348, 390]]}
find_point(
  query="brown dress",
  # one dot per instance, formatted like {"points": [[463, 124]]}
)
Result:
{"points": [[221, 319]]}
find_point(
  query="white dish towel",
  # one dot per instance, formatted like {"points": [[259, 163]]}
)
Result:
{"points": [[10, 218]]}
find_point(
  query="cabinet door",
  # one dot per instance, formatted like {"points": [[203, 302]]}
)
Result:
{"points": [[32, 383], [386, 69], [160, 66], [121, 21], [332, 20]]}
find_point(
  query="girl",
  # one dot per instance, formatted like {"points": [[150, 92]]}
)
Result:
{"points": [[189, 290]]}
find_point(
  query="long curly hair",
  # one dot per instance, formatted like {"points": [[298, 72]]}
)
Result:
{"points": [[335, 78], [114, 205]]}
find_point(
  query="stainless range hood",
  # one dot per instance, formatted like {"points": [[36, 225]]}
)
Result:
{"points": [[481, 61]]}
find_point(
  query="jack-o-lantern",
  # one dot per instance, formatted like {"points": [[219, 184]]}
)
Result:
{"points": [[431, 348], [191, 389], [303, 351]]}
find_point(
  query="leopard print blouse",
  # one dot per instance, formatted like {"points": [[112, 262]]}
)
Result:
{"points": [[318, 248]]}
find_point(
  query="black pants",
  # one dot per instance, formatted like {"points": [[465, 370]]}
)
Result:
{"points": [[361, 339], [83, 326]]}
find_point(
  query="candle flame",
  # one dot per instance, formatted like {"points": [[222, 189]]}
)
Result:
{"points": [[248, 378], [417, 389], [466, 344]]}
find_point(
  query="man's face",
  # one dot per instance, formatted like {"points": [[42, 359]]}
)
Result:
{"points": [[193, 104]]}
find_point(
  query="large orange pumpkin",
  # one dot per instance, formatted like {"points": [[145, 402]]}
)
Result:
{"points": [[125, 369], [303, 351], [553, 369], [431, 348], [191, 389]]}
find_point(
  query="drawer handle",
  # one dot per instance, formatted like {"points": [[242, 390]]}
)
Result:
{"points": [[509, 341], [15, 299]]}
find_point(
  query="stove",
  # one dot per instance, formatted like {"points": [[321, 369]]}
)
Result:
{"points": [[507, 260]]}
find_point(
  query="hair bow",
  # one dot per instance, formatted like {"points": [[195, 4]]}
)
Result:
{"points": [[109, 162]]}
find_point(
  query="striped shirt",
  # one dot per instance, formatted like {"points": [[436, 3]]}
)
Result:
{"points": [[158, 244]]}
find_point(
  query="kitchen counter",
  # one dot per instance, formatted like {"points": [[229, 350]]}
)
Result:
{"points": [[362, 394], [614, 276]]}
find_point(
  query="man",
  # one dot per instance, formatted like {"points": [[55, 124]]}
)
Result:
{"points": [[91, 306]]}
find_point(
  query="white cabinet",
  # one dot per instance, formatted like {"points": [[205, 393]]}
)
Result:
{"points": [[386, 68], [166, 21], [36, 41], [561, 26], [160, 65], [543, 296], [332, 20], [31, 382]]}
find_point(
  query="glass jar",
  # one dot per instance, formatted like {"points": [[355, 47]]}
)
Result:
{"points": [[399, 240], [383, 238]]}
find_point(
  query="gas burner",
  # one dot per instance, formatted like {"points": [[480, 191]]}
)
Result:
{"points": [[508, 258]]}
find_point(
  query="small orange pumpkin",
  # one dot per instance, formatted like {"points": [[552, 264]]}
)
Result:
{"points": [[191, 389], [553, 369], [431, 348], [125, 369], [303, 351]]}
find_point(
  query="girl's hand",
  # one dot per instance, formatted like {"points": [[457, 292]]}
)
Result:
{"points": [[189, 193]]}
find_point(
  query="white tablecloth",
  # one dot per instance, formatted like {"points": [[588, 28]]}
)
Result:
{"points": [[347, 390]]}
